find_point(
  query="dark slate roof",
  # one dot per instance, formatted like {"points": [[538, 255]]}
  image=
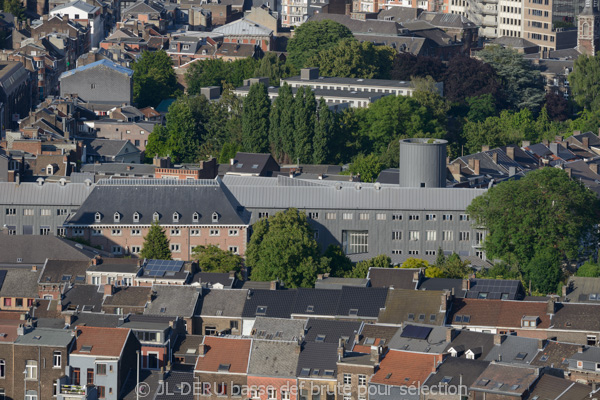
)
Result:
{"points": [[333, 331], [128, 296], [555, 354], [104, 147], [208, 279], [318, 356], [174, 301], [278, 328], [95, 319], [461, 370], [368, 301], [278, 303], [321, 301], [222, 302], [80, 296], [511, 347], [553, 388], [273, 358], [588, 354], [116, 265], [20, 282], [453, 285], [517, 43], [165, 196], [496, 289], [35, 249], [399, 278], [464, 340], [380, 334], [399, 14], [580, 288], [576, 317], [64, 271], [250, 163], [421, 306]]}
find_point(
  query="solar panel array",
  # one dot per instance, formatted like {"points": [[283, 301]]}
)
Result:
{"points": [[158, 268], [416, 332], [494, 289]]}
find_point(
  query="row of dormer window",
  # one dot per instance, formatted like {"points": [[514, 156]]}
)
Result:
{"points": [[156, 217]]}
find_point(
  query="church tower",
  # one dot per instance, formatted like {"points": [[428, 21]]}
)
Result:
{"points": [[588, 30]]}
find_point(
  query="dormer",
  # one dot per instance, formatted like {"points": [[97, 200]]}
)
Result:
{"points": [[136, 217], [98, 217], [117, 217], [176, 216], [529, 321], [196, 217], [155, 217], [215, 218]]}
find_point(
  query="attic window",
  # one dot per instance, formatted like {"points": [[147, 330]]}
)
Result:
{"points": [[328, 372], [37, 337], [521, 356], [594, 296], [529, 321], [19, 260], [544, 358], [255, 166], [515, 387], [80, 278], [215, 217], [117, 217], [482, 295], [191, 351], [224, 367], [316, 372], [163, 309], [305, 372], [421, 317], [98, 217], [239, 165], [310, 309], [136, 217], [353, 312], [278, 334], [411, 317], [388, 376], [66, 278], [369, 341], [155, 217], [195, 217], [261, 310], [446, 380], [320, 338], [86, 349], [175, 217], [483, 382], [432, 317]]}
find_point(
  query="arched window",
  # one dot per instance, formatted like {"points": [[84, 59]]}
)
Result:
{"points": [[215, 217], [136, 217], [50, 170], [117, 217], [175, 217], [98, 217], [196, 217], [586, 29], [155, 217]]}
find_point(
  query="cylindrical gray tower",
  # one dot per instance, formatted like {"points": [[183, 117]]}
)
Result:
{"points": [[423, 162]]}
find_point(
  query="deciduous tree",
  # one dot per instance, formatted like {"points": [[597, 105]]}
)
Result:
{"points": [[585, 82], [153, 78], [311, 37], [212, 259]]}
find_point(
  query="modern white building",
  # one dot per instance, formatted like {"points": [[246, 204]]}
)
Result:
{"points": [[87, 15]]}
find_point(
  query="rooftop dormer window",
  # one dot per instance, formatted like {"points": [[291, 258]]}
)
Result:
{"points": [[529, 321], [175, 217], [98, 217], [136, 217], [215, 218], [196, 217], [117, 217], [155, 217]]}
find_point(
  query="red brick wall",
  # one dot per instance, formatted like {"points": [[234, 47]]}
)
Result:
{"points": [[262, 383]]}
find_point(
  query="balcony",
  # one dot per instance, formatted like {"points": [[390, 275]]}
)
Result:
{"points": [[73, 389]]}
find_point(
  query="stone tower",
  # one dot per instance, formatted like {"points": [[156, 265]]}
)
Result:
{"points": [[588, 30]]}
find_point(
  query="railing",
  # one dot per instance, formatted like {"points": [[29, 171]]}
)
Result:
{"points": [[72, 389]]}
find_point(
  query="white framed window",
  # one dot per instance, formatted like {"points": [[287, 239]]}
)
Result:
{"points": [[396, 217], [194, 232], [96, 232], [155, 217], [263, 215], [31, 371], [45, 212], [330, 215], [60, 232], [136, 217], [136, 249], [413, 217], [31, 396], [97, 217], [175, 248], [117, 217], [396, 235], [413, 252], [381, 217], [431, 235], [355, 242], [234, 232], [195, 217], [447, 235], [45, 230], [362, 380], [271, 394], [127, 281], [363, 216], [463, 236], [430, 217], [285, 395], [136, 232], [313, 215], [214, 232], [77, 232], [175, 232], [347, 216], [11, 211], [175, 217], [57, 359], [464, 217], [347, 379], [28, 212], [96, 280], [233, 249], [116, 232], [414, 235], [116, 249]]}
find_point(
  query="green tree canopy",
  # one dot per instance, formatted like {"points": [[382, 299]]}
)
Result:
{"points": [[313, 36], [413, 262], [544, 210], [339, 263], [255, 119], [16, 8], [469, 77], [522, 84], [283, 247], [213, 259], [544, 271], [156, 244], [585, 82], [361, 269], [153, 78], [407, 65], [589, 269], [368, 167], [351, 59], [324, 132]]}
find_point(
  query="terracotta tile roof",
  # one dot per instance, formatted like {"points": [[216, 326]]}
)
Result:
{"points": [[501, 313], [515, 380], [9, 327], [103, 341], [401, 368], [224, 351]]}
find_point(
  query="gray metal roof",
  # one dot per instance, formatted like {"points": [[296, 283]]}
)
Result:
{"points": [[82, 5], [36, 249], [20, 282], [273, 358], [511, 347], [435, 343], [47, 194], [253, 193], [46, 337], [243, 27]]}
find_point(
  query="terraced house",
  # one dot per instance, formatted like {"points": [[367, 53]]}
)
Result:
{"points": [[118, 214]]}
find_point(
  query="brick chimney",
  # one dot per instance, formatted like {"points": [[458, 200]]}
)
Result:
{"points": [[594, 168], [581, 349], [456, 170], [541, 344], [109, 289], [417, 276], [550, 306], [466, 284], [495, 157], [565, 290], [485, 147], [525, 143], [585, 142], [34, 267], [375, 353], [201, 350], [510, 152], [498, 339], [274, 285], [231, 274], [68, 319], [449, 334], [443, 302], [356, 337], [340, 349]]}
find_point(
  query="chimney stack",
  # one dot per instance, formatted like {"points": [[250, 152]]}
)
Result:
{"points": [[569, 172], [375, 353], [201, 350], [449, 334], [356, 337], [495, 157], [417, 276], [498, 339], [340, 349], [550, 306], [581, 349], [541, 344], [510, 152], [444, 302], [109, 289], [525, 143], [274, 285], [34, 268], [485, 147], [68, 319], [585, 141], [466, 284], [564, 291]]}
